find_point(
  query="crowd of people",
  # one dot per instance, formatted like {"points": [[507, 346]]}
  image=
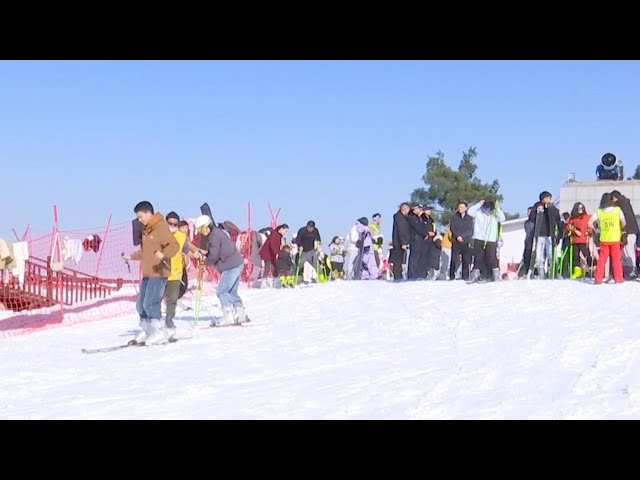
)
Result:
{"points": [[467, 248]]}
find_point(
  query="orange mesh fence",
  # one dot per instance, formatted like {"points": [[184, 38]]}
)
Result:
{"points": [[77, 276]]}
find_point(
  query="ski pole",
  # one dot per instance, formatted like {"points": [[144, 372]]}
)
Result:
{"points": [[196, 317], [570, 257], [133, 282], [298, 265], [554, 250]]}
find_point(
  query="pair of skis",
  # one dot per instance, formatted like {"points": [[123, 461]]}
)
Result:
{"points": [[166, 342], [130, 345]]}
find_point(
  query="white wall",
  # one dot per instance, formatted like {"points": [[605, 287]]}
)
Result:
{"points": [[511, 251], [590, 193]]}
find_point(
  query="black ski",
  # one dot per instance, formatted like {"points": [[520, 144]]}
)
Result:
{"points": [[230, 325], [121, 347], [534, 246]]}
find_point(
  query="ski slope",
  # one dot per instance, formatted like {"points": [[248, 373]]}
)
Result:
{"points": [[351, 350]]}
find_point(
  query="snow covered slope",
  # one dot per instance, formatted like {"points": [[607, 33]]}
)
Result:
{"points": [[522, 349]]}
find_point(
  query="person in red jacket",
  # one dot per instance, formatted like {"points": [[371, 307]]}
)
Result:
{"points": [[579, 232], [271, 248]]}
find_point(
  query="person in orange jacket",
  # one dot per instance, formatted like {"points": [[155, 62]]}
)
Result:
{"points": [[156, 250]]}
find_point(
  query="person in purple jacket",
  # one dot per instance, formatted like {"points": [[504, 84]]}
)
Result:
{"points": [[366, 268]]}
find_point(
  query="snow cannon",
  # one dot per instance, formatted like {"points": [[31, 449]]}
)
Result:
{"points": [[609, 168]]}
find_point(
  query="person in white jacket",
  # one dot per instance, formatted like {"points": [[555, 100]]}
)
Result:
{"points": [[352, 251], [487, 216]]}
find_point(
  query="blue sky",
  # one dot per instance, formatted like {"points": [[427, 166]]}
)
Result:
{"points": [[325, 140]]}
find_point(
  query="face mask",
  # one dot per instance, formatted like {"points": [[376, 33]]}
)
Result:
{"points": [[173, 229]]}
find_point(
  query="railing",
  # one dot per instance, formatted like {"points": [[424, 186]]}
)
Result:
{"points": [[44, 287]]}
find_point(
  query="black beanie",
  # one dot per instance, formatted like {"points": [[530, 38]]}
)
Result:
{"points": [[364, 221], [173, 215]]}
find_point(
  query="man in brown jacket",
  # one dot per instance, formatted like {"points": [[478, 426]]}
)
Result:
{"points": [[157, 248]]}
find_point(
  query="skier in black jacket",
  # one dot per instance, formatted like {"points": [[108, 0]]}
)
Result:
{"points": [[417, 233], [549, 228], [461, 226], [427, 264], [399, 240]]}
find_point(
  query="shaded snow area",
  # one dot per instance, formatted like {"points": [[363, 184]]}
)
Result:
{"points": [[351, 350]]}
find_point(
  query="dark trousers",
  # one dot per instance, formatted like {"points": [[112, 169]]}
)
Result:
{"points": [[426, 260], [526, 255], [185, 283], [457, 250], [268, 265], [171, 295], [415, 257], [485, 257], [396, 258], [579, 248]]}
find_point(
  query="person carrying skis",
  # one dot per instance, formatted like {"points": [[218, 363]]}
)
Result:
{"points": [[546, 218], [223, 255]]}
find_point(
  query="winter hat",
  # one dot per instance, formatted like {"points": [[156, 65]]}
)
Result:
{"points": [[202, 221], [173, 215], [364, 221], [544, 195]]}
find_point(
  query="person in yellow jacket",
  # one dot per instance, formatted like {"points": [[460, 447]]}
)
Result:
{"points": [[612, 222], [445, 254], [376, 236], [174, 282]]}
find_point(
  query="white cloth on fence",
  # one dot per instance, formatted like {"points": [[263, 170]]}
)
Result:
{"points": [[72, 250], [21, 255]]}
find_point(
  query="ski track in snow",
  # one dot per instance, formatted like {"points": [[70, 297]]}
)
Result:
{"points": [[351, 350]]}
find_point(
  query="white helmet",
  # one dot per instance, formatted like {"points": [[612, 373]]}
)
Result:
{"points": [[202, 221]]}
